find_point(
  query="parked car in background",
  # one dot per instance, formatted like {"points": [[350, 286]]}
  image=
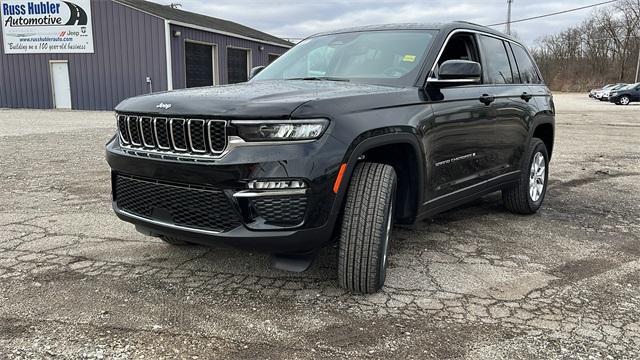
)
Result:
{"points": [[592, 92], [625, 95], [344, 135], [606, 93], [597, 93]]}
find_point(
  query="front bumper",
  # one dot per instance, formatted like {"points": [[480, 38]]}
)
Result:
{"points": [[316, 162]]}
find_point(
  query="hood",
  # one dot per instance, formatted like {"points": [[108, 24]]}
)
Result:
{"points": [[258, 99]]}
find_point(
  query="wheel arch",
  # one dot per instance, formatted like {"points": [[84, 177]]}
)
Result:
{"points": [[384, 147], [544, 129]]}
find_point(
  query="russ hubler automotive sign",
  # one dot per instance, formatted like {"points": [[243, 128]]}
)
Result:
{"points": [[55, 26]]}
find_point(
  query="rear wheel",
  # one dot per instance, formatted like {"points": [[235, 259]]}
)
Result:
{"points": [[366, 228], [526, 196], [625, 100]]}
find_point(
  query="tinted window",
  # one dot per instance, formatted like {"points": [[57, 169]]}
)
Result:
{"points": [[528, 72], [497, 67]]}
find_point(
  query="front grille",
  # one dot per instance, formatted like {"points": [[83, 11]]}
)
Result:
{"points": [[281, 210], [179, 204], [179, 135]]}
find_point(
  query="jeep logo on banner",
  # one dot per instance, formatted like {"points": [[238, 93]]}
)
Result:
{"points": [[54, 26]]}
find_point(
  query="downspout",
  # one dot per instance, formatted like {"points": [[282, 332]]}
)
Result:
{"points": [[167, 45]]}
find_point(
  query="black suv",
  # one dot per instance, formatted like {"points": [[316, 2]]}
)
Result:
{"points": [[346, 134], [625, 95]]}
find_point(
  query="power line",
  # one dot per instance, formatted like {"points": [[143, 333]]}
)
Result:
{"points": [[555, 13]]}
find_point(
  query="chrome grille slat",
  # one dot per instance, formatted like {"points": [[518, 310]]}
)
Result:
{"points": [[217, 135], [134, 130], [161, 130], [146, 132], [196, 135], [122, 128], [179, 136]]}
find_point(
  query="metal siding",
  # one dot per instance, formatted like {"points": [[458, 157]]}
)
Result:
{"points": [[128, 46], [222, 41]]}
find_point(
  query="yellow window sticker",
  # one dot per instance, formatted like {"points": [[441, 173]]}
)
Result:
{"points": [[409, 58]]}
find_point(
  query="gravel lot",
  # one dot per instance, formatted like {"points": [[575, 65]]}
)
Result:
{"points": [[475, 282]]}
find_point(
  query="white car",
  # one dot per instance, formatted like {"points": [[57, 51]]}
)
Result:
{"points": [[597, 93], [607, 93]]}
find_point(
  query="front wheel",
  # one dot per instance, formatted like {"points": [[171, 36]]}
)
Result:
{"points": [[526, 196], [366, 228]]}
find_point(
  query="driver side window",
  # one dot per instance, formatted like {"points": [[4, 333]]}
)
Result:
{"points": [[460, 47]]}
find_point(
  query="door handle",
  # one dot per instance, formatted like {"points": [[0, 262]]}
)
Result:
{"points": [[526, 97], [487, 99]]}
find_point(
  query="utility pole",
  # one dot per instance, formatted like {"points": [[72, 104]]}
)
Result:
{"points": [[509, 16], [638, 65]]}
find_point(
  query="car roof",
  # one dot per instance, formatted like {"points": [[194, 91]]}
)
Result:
{"points": [[444, 27]]}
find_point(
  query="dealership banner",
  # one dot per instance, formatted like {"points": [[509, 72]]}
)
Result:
{"points": [[46, 27]]}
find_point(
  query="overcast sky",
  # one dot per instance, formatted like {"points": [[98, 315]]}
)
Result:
{"points": [[300, 18]]}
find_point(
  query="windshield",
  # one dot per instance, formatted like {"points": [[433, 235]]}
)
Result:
{"points": [[390, 57], [630, 86]]}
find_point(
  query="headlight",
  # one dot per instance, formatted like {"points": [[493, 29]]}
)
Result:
{"points": [[276, 130]]}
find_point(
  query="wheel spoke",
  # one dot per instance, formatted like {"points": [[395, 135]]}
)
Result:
{"points": [[537, 176]]}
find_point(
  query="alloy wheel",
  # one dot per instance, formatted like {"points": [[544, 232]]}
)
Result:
{"points": [[537, 176]]}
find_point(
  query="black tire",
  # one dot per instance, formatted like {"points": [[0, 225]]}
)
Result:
{"points": [[517, 198], [174, 240], [366, 228]]}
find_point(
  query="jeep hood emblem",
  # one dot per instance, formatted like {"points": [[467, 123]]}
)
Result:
{"points": [[163, 106]]}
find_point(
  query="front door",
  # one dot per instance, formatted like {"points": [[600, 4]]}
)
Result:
{"points": [[457, 139], [60, 84]]}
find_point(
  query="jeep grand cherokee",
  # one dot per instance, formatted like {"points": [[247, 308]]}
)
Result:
{"points": [[346, 134]]}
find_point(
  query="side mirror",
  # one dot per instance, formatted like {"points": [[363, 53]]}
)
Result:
{"points": [[457, 72], [254, 71]]}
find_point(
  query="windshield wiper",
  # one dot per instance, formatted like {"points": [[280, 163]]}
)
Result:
{"points": [[320, 78]]}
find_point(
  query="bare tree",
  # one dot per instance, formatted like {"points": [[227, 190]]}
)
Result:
{"points": [[601, 49]]}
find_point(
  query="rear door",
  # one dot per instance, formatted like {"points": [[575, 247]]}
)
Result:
{"points": [[511, 109]]}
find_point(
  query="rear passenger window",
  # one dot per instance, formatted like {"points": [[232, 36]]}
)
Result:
{"points": [[496, 61], [528, 72]]}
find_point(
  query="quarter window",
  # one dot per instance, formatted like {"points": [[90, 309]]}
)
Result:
{"points": [[497, 66], [528, 72]]}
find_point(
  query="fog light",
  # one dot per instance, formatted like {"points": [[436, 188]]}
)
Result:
{"points": [[276, 184]]}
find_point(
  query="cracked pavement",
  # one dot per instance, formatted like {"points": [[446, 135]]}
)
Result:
{"points": [[473, 283]]}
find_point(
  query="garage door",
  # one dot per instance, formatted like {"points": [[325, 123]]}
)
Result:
{"points": [[237, 65], [199, 62]]}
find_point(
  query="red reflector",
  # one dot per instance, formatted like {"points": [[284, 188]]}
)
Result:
{"points": [[336, 185]]}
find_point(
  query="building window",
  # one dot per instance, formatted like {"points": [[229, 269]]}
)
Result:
{"points": [[237, 65], [273, 57], [199, 61]]}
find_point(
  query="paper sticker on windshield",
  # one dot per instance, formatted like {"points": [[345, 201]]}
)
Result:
{"points": [[409, 58]]}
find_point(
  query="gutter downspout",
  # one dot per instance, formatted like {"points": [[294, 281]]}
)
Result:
{"points": [[167, 45]]}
